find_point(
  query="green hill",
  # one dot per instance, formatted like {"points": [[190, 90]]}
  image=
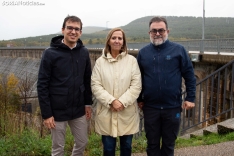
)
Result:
{"points": [[92, 29], [181, 28], [89, 29]]}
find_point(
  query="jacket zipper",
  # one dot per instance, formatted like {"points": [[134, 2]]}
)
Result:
{"points": [[73, 76]]}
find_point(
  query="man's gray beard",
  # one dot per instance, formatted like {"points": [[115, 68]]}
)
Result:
{"points": [[156, 43]]}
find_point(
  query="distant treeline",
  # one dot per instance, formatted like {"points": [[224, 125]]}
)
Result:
{"points": [[181, 28]]}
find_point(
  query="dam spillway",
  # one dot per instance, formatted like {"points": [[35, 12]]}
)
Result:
{"points": [[21, 67]]}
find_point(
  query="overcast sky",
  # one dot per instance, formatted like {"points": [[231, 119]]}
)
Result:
{"points": [[45, 17]]}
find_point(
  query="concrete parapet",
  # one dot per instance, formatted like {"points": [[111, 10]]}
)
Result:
{"points": [[95, 53], [28, 53]]}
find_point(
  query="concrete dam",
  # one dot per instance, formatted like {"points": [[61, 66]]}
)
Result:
{"points": [[21, 67], [24, 63]]}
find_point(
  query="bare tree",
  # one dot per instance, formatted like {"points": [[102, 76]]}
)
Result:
{"points": [[25, 90]]}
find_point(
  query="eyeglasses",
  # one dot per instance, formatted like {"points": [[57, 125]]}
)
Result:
{"points": [[70, 28], [160, 31]]}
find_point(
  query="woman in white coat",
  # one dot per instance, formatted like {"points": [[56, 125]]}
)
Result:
{"points": [[116, 84]]}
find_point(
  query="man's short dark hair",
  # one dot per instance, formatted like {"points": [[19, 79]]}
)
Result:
{"points": [[158, 19], [72, 19]]}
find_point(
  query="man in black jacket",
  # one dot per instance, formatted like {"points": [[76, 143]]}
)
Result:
{"points": [[63, 87]]}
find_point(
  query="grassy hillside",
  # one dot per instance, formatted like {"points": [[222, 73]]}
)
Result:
{"points": [[181, 28], [90, 29], [185, 27]]}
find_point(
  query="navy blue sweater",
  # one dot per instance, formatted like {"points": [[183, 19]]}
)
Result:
{"points": [[162, 68]]}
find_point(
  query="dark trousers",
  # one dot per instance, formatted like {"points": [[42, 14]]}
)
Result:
{"points": [[109, 145], [161, 124]]}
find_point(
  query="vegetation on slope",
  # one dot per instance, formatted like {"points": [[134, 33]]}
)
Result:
{"points": [[181, 28]]}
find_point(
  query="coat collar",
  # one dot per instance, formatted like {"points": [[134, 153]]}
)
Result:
{"points": [[111, 59]]}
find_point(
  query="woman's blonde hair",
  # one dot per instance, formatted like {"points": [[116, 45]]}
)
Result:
{"points": [[108, 37]]}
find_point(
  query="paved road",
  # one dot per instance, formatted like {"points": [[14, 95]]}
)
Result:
{"points": [[221, 149]]}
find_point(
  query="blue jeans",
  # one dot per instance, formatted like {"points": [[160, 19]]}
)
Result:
{"points": [[109, 145]]}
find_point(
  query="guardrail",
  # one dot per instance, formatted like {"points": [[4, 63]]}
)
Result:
{"points": [[208, 45], [214, 100]]}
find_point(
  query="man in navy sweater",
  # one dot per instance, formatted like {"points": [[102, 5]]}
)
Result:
{"points": [[163, 64]]}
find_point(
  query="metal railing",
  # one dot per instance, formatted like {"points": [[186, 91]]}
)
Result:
{"points": [[208, 45], [214, 100]]}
